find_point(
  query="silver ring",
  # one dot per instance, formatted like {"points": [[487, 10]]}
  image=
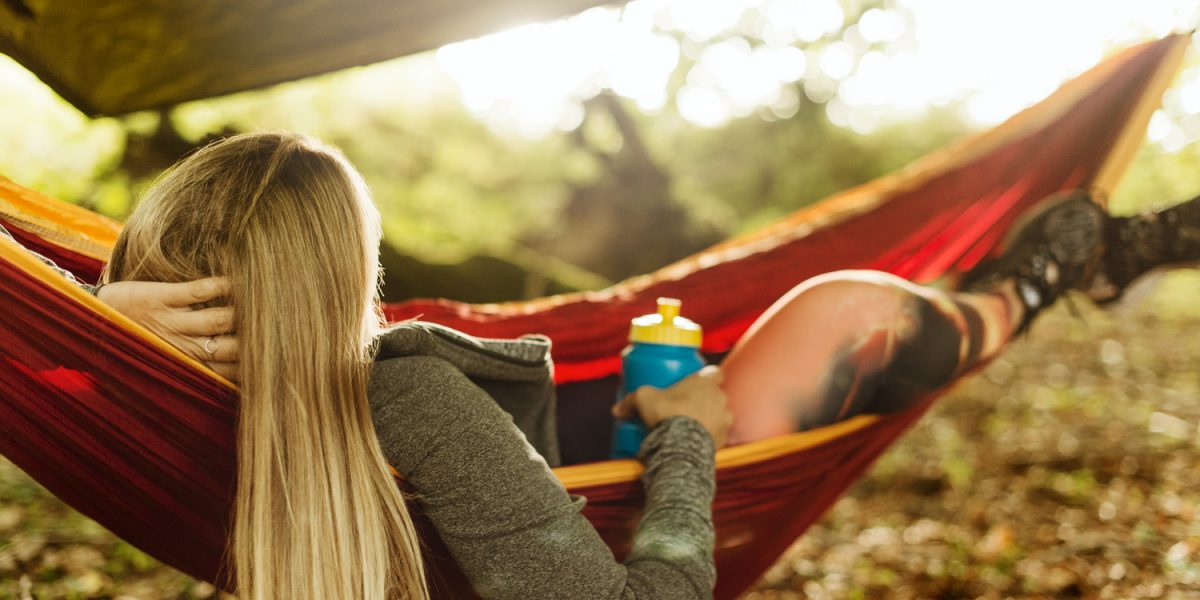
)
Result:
{"points": [[213, 350]]}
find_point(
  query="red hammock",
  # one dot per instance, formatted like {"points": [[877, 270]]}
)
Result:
{"points": [[133, 434]]}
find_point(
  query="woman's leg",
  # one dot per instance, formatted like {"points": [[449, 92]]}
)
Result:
{"points": [[1140, 243], [857, 342]]}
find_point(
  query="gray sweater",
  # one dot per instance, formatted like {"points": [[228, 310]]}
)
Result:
{"points": [[468, 422]]}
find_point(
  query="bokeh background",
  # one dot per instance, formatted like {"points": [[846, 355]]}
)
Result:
{"points": [[573, 154]]}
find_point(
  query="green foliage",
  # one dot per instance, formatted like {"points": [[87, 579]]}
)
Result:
{"points": [[1158, 179], [48, 145], [754, 171]]}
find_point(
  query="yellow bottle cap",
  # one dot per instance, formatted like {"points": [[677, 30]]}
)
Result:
{"points": [[666, 326]]}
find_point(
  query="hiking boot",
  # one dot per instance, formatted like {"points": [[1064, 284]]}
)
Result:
{"points": [[1055, 249], [1138, 244]]}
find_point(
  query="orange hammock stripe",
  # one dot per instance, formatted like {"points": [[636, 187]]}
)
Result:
{"points": [[624, 471], [67, 225]]}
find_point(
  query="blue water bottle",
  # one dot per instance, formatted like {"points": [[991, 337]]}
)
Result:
{"points": [[664, 348]]}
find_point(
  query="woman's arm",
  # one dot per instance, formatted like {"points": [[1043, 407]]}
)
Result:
{"points": [[165, 309], [674, 541], [91, 289], [507, 520]]}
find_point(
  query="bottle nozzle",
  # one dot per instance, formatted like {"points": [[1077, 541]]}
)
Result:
{"points": [[668, 309], [665, 326]]}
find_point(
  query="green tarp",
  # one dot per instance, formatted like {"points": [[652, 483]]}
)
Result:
{"points": [[118, 56]]}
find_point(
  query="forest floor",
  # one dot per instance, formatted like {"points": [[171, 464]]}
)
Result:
{"points": [[1070, 467]]}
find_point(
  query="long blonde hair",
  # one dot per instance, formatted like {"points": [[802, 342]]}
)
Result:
{"points": [[317, 514]]}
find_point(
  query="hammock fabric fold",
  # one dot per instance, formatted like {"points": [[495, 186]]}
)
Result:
{"points": [[137, 436]]}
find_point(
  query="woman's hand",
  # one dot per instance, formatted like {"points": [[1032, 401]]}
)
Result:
{"points": [[698, 396], [166, 309]]}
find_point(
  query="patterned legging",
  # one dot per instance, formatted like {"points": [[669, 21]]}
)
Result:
{"points": [[854, 342]]}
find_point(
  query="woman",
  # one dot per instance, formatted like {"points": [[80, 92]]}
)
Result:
{"points": [[316, 511]]}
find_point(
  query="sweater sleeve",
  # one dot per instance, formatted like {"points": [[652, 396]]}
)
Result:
{"points": [[510, 524], [91, 289]]}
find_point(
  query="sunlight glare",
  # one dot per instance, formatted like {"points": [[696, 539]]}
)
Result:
{"points": [[63, 168], [527, 80], [702, 106], [704, 19], [787, 104], [879, 25], [1189, 96], [990, 59], [972, 43], [837, 60], [804, 20]]}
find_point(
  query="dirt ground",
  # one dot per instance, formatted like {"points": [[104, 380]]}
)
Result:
{"points": [[1067, 468]]}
